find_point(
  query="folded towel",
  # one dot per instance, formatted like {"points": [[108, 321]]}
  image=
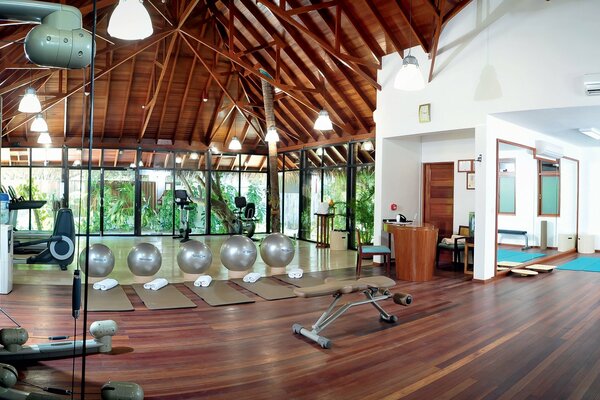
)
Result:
{"points": [[105, 284], [461, 239], [295, 273], [156, 284], [251, 277], [203, 281]]}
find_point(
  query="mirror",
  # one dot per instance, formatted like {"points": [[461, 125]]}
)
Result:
{"points": [[536, 205]]}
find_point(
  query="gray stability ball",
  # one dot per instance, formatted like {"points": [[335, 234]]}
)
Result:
{"points": [[102, 260], [194, 257], [238, 253], [277, 250], [144, 259]]}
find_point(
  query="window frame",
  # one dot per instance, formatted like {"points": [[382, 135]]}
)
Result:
{"points": [[508, 174]]}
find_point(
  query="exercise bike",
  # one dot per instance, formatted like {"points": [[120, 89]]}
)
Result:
{"points": [[244, 222], [183, 201]]}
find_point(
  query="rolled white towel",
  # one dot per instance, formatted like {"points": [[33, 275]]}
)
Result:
{"points": [[105, 284], [203, 281], [251, 277], [295, 273], [460, 239], [156, 284]]}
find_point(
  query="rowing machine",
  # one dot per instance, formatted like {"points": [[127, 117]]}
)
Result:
{"points": [[14, 349], [375, 290]]}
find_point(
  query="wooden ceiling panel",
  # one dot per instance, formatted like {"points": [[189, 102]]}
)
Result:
{"points": [[320, 53]]}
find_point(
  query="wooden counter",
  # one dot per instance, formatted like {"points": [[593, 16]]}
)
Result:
{"points": [[414, 247]]}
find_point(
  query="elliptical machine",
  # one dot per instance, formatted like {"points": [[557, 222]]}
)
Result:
{"points": [[183, 201]]}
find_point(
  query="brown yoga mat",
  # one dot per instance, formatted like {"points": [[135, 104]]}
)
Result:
{"points": [[267, 288], [305, 281], [114, 299], [219, 293], [165, 298]]}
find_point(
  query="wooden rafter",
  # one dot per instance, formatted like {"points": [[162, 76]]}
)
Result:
{"points": [[436, 40], [415, 32], [168, 92], [385, 26], [149, 108], [128, 95], [313, 7]]}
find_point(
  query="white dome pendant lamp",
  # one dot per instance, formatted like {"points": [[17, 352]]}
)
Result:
{"points": [[130, 21], [409, 77]]}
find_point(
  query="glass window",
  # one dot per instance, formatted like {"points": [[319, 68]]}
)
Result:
{"points": [[549, 188], [292, 160], [46, 157], [311, 196], [364, 153], [157, 201], [17, 178], [224, 189], [157, 159], [119, 158], [78, 157], [291, 203], [254, 188], [194, 183], [506, 186], [334, 192], [225, 162], [364, 207], [335, 155], [46, 184], [14, 157], [119, 201], [78, 192]]}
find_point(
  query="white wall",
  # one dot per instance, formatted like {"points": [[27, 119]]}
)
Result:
{"points": [[451, 148], [494, 56], [397, 180]]}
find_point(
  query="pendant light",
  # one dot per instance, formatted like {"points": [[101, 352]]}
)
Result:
{"points": [[132, 165], [409, 77], [323, 122], [367, 146], [214, 149], [235, 144], [39, 124], [130, 21], [178, 160], [44, 138], [272, 135], [30, 103], [194, 156]]}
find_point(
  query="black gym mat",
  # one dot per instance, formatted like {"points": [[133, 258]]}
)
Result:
{"points": [[219, 293]]}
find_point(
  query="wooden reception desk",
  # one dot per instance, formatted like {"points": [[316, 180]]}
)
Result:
{"points": [[414, 247]]}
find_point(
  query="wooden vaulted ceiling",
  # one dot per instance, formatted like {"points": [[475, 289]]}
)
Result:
{"points": [[151, 93]]}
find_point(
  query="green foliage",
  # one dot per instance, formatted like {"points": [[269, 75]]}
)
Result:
{"points": [[363, 205]]}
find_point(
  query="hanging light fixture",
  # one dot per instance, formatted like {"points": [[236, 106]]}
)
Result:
{"points": [[178, 160], [409, 77], [30, 103], [214, 149], [235, 144], [323, 122], [367, 146], [194, 156], [272, 135], [130, 21], [44, 138], [132, 165], [77, 163], [140, 163], [39, 124]]}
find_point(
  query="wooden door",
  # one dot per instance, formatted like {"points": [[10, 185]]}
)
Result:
{"points": [[438, 196]]}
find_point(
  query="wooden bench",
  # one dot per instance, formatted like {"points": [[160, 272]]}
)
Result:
{"points": [[515, 232]]}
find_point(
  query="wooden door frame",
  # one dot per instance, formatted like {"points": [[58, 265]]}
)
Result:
{"points": [[424, 188]]}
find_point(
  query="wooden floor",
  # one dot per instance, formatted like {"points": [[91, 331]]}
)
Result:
{"points": [[512, 338]]}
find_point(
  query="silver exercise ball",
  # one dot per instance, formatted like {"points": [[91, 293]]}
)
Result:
{"points": [[144, 259], [238, 253], [277, 250], [102, 260], [194, 257]]}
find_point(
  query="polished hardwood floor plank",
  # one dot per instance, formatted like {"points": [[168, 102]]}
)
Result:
{"points": [[512, 338]]}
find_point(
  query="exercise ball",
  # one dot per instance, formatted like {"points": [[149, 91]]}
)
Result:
{"points": [[102, 261], [277, 250], [144, 259], [194, 257], [238, 253]]}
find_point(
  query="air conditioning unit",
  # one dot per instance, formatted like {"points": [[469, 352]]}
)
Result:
{"points": [[548, 151], [591, 83]]}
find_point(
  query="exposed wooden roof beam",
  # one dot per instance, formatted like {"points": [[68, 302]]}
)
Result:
{"points": [[168, 91], [435, 41], [109, 60], [385, 26], [196, 128], [415, 32], [364, 34], [457, 8], [186, 14], [313, 7], [149, 108], [127, 96]]}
